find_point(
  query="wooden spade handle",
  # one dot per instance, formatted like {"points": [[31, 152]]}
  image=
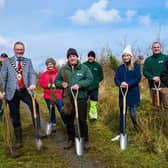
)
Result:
{"points": [[157, 87], [124, 98]]}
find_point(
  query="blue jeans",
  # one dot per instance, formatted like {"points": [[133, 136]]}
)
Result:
{"points": [[52, 110], [132, 115]]}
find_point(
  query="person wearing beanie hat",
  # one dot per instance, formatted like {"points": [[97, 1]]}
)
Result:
{"points": [[71, 51], [74, 76], [127, 50], [128, 75], [52, 95], [152, 70], [98, 76]]}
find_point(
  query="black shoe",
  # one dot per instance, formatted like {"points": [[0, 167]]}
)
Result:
{"points": [[137, 128], [93, 120]]}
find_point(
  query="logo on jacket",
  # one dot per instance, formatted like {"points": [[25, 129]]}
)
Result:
{"points": [[161, 61], [95, 69], [79, 74]]}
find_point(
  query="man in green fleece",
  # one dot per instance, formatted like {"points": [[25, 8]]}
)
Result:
{"points": [[153, 67], [98, 76], [79, 78]]}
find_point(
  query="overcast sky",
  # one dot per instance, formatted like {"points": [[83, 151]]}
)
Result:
{"points": [[49, 27]]}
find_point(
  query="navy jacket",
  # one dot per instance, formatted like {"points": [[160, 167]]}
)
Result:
{"points": [[132, 77]]}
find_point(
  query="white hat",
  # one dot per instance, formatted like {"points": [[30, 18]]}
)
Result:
{"points": [[127, 50]]}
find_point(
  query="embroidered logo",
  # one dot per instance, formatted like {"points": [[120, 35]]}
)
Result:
{"points": [[160, 61], [95, 69], [79, 74]]}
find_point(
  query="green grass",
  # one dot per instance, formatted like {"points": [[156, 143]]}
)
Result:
{"points": [[148, 149], [49, 156]]}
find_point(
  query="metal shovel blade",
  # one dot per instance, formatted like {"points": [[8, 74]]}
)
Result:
{"points": [[49, 129], [123, 141], [79, 146], [39, 144]]}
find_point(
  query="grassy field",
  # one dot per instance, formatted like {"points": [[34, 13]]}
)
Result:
{"points": [[146, 149]]}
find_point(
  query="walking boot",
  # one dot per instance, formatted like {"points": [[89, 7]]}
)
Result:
{"points": [[18, 135], [14, 153], [137, 128], [69, 145]]}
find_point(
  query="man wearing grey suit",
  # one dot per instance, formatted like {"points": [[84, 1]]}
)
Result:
{"points": [[18, 76]]}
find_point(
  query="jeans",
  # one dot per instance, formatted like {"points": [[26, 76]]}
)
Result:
{"points": [[52, 111], [132, 115]]}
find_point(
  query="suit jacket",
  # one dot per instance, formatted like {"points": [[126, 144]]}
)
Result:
{"points": [[9, 76]]}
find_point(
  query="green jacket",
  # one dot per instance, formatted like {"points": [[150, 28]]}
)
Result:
{"points": [[153, 66], [81, 75], [97, 72]]}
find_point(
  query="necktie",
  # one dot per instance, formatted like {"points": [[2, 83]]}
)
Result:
{"points": [[19, 75]]}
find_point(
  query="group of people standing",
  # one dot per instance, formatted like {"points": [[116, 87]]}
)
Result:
{"points": [[19, 82], [128, 75]]}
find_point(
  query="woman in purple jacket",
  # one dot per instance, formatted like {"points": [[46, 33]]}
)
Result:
{"points": [[128, 75]]}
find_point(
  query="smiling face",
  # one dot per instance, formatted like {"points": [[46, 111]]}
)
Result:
{"points": [[91, 58], [19, 50], [156, 48], [50, 66], [72, 59], [126, 58]]}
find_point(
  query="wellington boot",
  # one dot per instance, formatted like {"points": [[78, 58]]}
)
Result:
{"points": [[18, 134]]}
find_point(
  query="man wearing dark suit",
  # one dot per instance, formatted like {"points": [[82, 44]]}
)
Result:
{"points": [[18, 77]]}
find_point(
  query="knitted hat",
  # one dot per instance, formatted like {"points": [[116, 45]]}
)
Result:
{"points": [[71, 51], [92, 54], [127, 50], [4, 55], [50, 60]]}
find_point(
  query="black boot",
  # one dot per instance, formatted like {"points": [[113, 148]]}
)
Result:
{"points": [[137, 128], [18, 134]]}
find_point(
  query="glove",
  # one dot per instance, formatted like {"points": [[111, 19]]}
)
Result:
{"points": [[53, 86], [50, 85]]}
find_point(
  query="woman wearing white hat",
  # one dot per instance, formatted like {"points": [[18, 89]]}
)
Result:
{"points": [[128, 75]]}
